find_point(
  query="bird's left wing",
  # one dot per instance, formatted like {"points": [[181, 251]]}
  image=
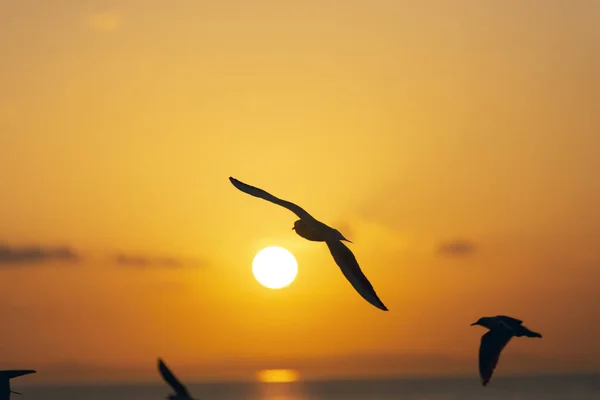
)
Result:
{"points": [[256, 192], [170, 378], [490, 348], [345, 259]]}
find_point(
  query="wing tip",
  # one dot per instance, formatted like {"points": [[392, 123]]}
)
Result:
{"points": [[485, 380], [235, 182], [160, 363], [376, 301]]}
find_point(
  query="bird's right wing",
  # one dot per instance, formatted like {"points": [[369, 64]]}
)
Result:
{"points": [[170, 378], [256, 192], [490, 348], [345, 259]]}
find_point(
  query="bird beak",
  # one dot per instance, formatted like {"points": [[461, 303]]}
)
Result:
{"points": [[293, 228], [474, 323]]}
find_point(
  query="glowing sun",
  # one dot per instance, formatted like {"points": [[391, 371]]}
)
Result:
{"points": [[274, 267]]}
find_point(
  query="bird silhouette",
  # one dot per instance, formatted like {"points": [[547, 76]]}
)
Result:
{"points": [[501, 330], [311, 229], [181, 392], [6, 376]]}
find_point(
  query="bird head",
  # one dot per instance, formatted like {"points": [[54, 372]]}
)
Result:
{"points": [[296, 225], [483, 321]]}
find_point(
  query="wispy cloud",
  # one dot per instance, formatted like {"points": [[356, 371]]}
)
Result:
{"points": [[104, 21], [153, 262], [13, 255], [457, 248]]}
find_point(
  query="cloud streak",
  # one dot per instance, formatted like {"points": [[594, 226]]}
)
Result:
{"points": [[12, 255], [153, 262], [457, 248]]}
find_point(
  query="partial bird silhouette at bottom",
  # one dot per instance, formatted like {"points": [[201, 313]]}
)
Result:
{"points": [[181, 392], [6, 376], [501, 330]]}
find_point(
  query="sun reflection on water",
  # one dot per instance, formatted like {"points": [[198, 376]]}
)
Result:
{"points": [[278, 375]]}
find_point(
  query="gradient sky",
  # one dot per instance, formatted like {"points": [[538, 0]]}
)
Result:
{"points": [[413, 127]]}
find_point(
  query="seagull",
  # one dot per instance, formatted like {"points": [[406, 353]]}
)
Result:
{"points": [[311, 229], [501, 330], [6, 376], [181, 392]]}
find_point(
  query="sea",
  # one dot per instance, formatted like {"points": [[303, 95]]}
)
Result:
{"points": [[580, 387]]}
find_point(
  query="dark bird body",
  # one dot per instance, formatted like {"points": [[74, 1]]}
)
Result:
{"points": [[181, 392], [501, 330], [6, 376], [311, 229]]}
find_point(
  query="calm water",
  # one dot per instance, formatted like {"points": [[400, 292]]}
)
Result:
{"points": [[546, 388]]}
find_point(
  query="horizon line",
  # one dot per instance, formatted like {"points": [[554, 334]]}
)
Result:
{"points": [[314, 379]]}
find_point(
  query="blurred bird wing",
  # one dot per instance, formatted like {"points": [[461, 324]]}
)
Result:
{"points": [[510, 320], [256, 192], [492, 344], [4, 388], [6, 376], [170, 378], [345, 259]]}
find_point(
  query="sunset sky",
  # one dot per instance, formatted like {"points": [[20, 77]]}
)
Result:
{"points": [[455, 143]]}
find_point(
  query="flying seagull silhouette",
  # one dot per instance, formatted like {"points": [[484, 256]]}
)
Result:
{"points": [[181, 392], [6, 376], [311, 229], [501, 330]]}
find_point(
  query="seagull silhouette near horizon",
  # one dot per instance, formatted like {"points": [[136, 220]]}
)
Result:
{"points": [[6, 376], [311, 229], [181, 392], [501, 330]]}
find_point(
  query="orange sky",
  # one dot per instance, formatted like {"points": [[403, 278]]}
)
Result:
{"points": [[407, 125]]}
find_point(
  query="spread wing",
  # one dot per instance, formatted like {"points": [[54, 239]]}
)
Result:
{"points": [[510, 320], [168, 376], [490, 348], [345, 259], [256, 192]]}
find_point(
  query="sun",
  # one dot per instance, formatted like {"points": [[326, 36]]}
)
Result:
{"points": [[274, 267]]}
